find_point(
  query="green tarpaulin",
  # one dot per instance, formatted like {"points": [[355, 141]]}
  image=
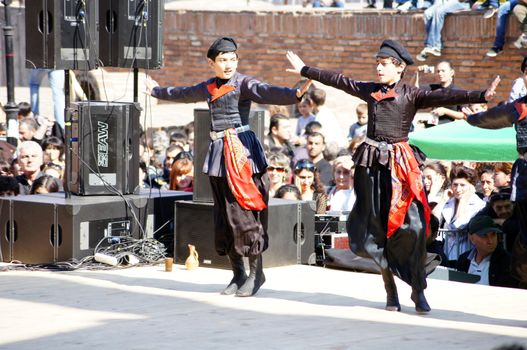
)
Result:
{"points": [[460, 141]]}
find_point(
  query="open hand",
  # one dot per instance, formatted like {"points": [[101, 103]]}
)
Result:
{"points": [[439, 111], [303, 89], [295, 61], [491, 91], [467, 111]]}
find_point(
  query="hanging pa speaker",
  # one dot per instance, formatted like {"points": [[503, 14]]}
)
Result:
{"points": [[131, 33], [62, 34], [105, 147]]}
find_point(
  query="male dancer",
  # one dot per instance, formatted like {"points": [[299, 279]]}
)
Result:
{"points": [[235, 162], [391, 214], [513, 113]]}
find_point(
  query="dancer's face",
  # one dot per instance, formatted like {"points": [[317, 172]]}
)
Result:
{"points": [[387, 71], [224, 65]]}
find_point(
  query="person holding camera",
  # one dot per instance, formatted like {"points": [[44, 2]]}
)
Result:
{"points": [[445, 73]]}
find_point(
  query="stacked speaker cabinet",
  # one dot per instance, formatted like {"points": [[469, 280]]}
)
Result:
{"points": [[70, 228], [105, 147], [287, 220], [131, 33], [202, 191], [62, 34]]}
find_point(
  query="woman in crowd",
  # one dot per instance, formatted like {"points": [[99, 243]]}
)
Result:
{"points": [[307, 179], [502, 175], [45, 184], [435, 181], [182, 172], [486, 182], [454, 211], [288, 191], [53, 169], [341, 197], [53, 150], [278, 171]]}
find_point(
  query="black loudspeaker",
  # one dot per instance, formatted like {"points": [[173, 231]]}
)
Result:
{"points": [[105, 147], [194, 224], [62, 34], [202, 191], [131, 33], [70, 228]]}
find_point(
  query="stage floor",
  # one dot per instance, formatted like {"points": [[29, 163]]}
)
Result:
{"points": [[299, 307]]}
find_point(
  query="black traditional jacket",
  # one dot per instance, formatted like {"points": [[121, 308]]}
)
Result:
{"points": [[230, 104], [390, 114]]}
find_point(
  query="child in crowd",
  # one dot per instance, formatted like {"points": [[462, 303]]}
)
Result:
{"points": [[305, 107], [477, 107], [361, 126]]}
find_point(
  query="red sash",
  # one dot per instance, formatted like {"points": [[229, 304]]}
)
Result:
{"points": [[407, 184], [521, 108], [239, 173]]}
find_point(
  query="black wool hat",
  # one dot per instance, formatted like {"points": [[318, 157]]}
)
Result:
{"points": [[225, 44], [392, 48]]}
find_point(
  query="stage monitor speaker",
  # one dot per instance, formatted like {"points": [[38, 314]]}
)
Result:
{"points": [[194, 224], [60, 229], [131, 33], [62, 34], [105, 147], [202, 191]]}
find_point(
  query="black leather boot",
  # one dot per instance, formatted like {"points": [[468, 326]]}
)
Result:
{"points": [[239, 275], [392, 299], [256, 277], [421, 305]]}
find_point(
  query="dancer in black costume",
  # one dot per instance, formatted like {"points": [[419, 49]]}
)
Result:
{"points": [[513, 113], [240, 199], [390, 217]]}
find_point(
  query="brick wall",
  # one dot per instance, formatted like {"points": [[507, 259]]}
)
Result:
{"points": [[339, 40]]}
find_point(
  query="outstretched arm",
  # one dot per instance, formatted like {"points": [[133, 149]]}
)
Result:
{"points": [[444, 97], [186, 94], [264, 93], [329, 78], [494, 118]]}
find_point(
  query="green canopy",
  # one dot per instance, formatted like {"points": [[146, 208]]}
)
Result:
{"points": [[460, 141]]}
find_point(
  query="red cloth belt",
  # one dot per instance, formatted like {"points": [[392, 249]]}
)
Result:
{"points": [[407, 184], [239, 173]]}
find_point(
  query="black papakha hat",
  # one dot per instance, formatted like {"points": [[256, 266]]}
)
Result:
{"points": [[225, 44], [392, 48]]}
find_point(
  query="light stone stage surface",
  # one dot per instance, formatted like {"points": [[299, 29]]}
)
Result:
{"points": [[299, 307]]}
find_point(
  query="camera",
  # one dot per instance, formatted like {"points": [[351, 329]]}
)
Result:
{"points": [[429, 69]]}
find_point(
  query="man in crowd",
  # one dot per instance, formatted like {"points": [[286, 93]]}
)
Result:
{"points": [[487, 259], [314, 149], [280, 134], [30, 158]]}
